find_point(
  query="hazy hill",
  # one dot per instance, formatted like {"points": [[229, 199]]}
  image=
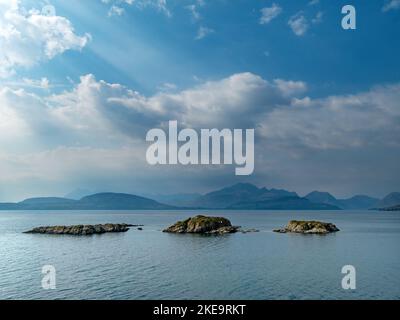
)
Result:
{"points": [[99, 201], [178, 199], [358, 202], [241, 192], [284, 203], [322, 197], [46, 203], [354, 203], [119, 201], [78, 194], [392, 199], [243, 196]]}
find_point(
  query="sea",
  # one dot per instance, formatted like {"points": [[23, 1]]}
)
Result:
{"points": [[150, 264]]}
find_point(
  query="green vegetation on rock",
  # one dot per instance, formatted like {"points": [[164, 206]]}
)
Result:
{"points": [[204, 225], [308, 227]]}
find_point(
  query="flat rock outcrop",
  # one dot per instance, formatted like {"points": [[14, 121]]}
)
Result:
{"points": [[82, 230], [203, 225], [308, 227]]}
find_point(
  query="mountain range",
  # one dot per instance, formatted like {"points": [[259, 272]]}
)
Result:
{"points": [[244, 196], [356, 202], [241, 196], [98, 201], [391, 200]]}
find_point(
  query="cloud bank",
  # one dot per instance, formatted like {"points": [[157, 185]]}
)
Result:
{"points": [[94, 134]]}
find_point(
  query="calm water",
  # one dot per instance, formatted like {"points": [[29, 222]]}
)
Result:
{"points": [[150, 264]]}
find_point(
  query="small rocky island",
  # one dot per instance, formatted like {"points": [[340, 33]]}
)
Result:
{"points": [[308, 227], [83, 230], [203, 225]]}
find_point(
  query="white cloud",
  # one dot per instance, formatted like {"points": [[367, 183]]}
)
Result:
{"points": [[299, 24], [193, 10], [318, 18], [95, 132], [391, 5], [95, 112], [338, 122], [97, 109], [43, 83], [167, 87], [290, 88], [160, 5], [115, 11], [269, 13], [27, 38], [203, 32]]}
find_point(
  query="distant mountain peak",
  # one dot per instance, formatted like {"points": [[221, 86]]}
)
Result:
{"points": [[245, 196], [242, 186], [104, 195], [320, 194], [98, 201], [391, 200], [112, 200], [355, 202], [78, 194], [240, 192]]}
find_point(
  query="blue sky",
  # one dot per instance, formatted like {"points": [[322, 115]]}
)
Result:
{"points": [[144, 47], [99, 73]]}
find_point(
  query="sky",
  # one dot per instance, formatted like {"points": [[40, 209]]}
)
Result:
{"points": [[81, 82]]}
